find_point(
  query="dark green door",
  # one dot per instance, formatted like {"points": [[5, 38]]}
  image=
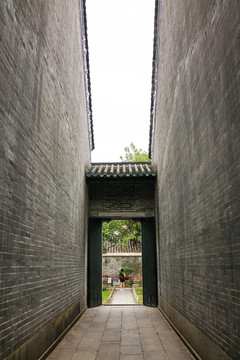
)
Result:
{"points": [[94, 262], [149, 262]]}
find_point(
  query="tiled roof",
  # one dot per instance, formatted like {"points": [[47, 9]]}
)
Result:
{"points": [[120, 170], [131, 247]]}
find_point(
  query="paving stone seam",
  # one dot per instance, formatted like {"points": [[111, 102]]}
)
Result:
{"points": [[106, 342], [139, 334]]}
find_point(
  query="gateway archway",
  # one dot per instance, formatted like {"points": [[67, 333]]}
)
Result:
{"points": [[121, 249], [149, 263], [121, 191]]}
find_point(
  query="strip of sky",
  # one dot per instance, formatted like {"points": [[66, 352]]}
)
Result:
{"points": [[120, 38]]}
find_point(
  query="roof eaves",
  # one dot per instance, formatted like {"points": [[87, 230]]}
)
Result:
{"points": [[154, 76], [87, 73], [121, 170]]}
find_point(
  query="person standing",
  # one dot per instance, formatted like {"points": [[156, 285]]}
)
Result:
{"points": [[122, 278]]}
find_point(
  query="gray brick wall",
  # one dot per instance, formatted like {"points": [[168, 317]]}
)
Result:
{"points": [[121, 198], [44, 153], [197, 152]]}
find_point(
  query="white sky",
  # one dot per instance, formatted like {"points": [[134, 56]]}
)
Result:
{"points": [[120, 40]]}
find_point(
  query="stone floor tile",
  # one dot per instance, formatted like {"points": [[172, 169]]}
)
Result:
{"points": [[128, 317], [115, 316], [73, 337], [127, 314], [90, 312], [116, 310], [114, 319], [91, 341], [129, 321], [179, 353], [144, 323], [130, 338], [97, 326], [128, 310], [62, 353], [84, 355], [67, 347], [159, 322], [102, 315], [116, 325], [130, 350], [143, 319], [111, 335], [147, 330], [164, 330], [132, 331], [100, 319], [155, 355], [151, 342], [78, 330], [131, 357], [109, 351], [129, 325], [84, 325], [171, 340]]}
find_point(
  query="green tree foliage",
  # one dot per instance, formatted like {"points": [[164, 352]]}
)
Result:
{"points": [[128, 270], [120, 232], [132, 154]]}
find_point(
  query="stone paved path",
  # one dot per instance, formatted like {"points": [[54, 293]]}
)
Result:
{"points": [[121, 333], [123, 297]]}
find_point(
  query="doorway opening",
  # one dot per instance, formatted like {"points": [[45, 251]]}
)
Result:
{"points": [[122, 250], [149, 262]]}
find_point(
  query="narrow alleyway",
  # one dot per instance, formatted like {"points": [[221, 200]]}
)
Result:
{"points": [[121, 333], [123, 297]]}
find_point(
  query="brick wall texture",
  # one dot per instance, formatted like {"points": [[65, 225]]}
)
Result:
{"points": [[44, 153], [121, 198], [197, 152]]}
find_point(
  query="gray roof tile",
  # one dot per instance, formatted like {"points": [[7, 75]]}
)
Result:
{"points": [[120, 170]]}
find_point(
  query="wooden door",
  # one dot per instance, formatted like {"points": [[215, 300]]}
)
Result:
{"points": [[94, 262], [149, 262]]}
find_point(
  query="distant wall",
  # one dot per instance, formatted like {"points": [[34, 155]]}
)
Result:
{"points": [[112, 263], [44, 152], [197, 152]]}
